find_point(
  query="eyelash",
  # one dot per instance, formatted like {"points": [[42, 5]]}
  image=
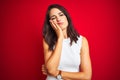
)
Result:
{"points": [[55, 17], [61, 14], [52, 18]]}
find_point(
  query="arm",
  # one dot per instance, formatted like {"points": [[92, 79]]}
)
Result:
{"points": [[85, 67], [52, 58]]}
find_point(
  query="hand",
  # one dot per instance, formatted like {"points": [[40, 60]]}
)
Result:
{"points": [[57, 29], [44, 70]]}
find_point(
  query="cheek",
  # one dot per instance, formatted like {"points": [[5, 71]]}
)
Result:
{"points": [[66, 21], [65, 18]]}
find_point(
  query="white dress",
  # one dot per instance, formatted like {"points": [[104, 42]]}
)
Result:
{"points": [[70, 57]]}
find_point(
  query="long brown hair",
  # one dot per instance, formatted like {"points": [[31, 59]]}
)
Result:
{"points": [[49, 34]]}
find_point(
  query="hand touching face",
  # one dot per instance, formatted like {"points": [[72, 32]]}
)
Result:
{"points": [[59, 18], [57, 29]]}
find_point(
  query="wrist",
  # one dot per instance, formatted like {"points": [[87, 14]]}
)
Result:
{"points": [[60, 39], [59, 76]]}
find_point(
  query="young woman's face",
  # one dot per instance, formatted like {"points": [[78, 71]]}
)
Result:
{"points": [[58, 17]]}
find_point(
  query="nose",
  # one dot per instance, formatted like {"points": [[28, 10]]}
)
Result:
{"points": [[58, 18]]}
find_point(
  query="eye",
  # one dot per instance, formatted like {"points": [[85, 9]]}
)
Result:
{"points": [[52, 18], [62, 14]]}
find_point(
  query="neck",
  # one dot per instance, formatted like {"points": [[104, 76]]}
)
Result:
{"points": [[65, 34]]}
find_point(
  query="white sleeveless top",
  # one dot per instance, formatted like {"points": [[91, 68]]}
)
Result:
{"points": [[70, 57]]}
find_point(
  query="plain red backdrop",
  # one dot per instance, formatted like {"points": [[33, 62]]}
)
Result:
{"points": [[21, 52]]}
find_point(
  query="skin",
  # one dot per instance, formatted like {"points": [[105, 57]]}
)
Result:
{"points": [[59, 23]]}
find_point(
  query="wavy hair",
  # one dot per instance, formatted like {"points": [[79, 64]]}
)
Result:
{"points": [[49, 34]]}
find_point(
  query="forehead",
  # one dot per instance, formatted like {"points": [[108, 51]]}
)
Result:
{"points": [[54, 11]]}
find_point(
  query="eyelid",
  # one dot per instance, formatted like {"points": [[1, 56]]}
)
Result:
{"points": [[53, 17], [61, 14], [58, 13]]}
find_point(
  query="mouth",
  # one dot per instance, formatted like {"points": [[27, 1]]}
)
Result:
{"points": [[60, 23]]}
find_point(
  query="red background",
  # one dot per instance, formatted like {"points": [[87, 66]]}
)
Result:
{"points": [[21, 52]]}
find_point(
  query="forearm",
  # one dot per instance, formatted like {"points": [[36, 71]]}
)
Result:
{"points": [[53, 61], [76, 75]]}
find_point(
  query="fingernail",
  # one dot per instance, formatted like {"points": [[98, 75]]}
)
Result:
{"points": [[50, 20]]}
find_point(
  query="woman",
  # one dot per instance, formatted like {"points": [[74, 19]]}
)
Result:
{"points": [[66, 53]]}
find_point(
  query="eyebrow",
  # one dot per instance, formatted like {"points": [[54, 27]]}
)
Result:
{"points": [[54, 15]]}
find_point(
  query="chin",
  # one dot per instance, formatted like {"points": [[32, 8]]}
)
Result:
{"points": [[63, 27]]}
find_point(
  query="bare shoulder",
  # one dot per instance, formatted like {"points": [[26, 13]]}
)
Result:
{"points": [[45, 45], [44, 41], [46, 50], [84, 40], [85, 46]]}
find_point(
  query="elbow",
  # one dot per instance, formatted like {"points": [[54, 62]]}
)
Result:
{"points": [[87, 77], [53, 72]]}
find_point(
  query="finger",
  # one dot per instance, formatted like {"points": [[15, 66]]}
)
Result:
{"points": [[44, 70], [57, 26], [45, 73], [43, 65], [53, 25]]}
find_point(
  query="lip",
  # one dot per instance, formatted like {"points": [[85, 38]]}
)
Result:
{"points": [[60, 23]]}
